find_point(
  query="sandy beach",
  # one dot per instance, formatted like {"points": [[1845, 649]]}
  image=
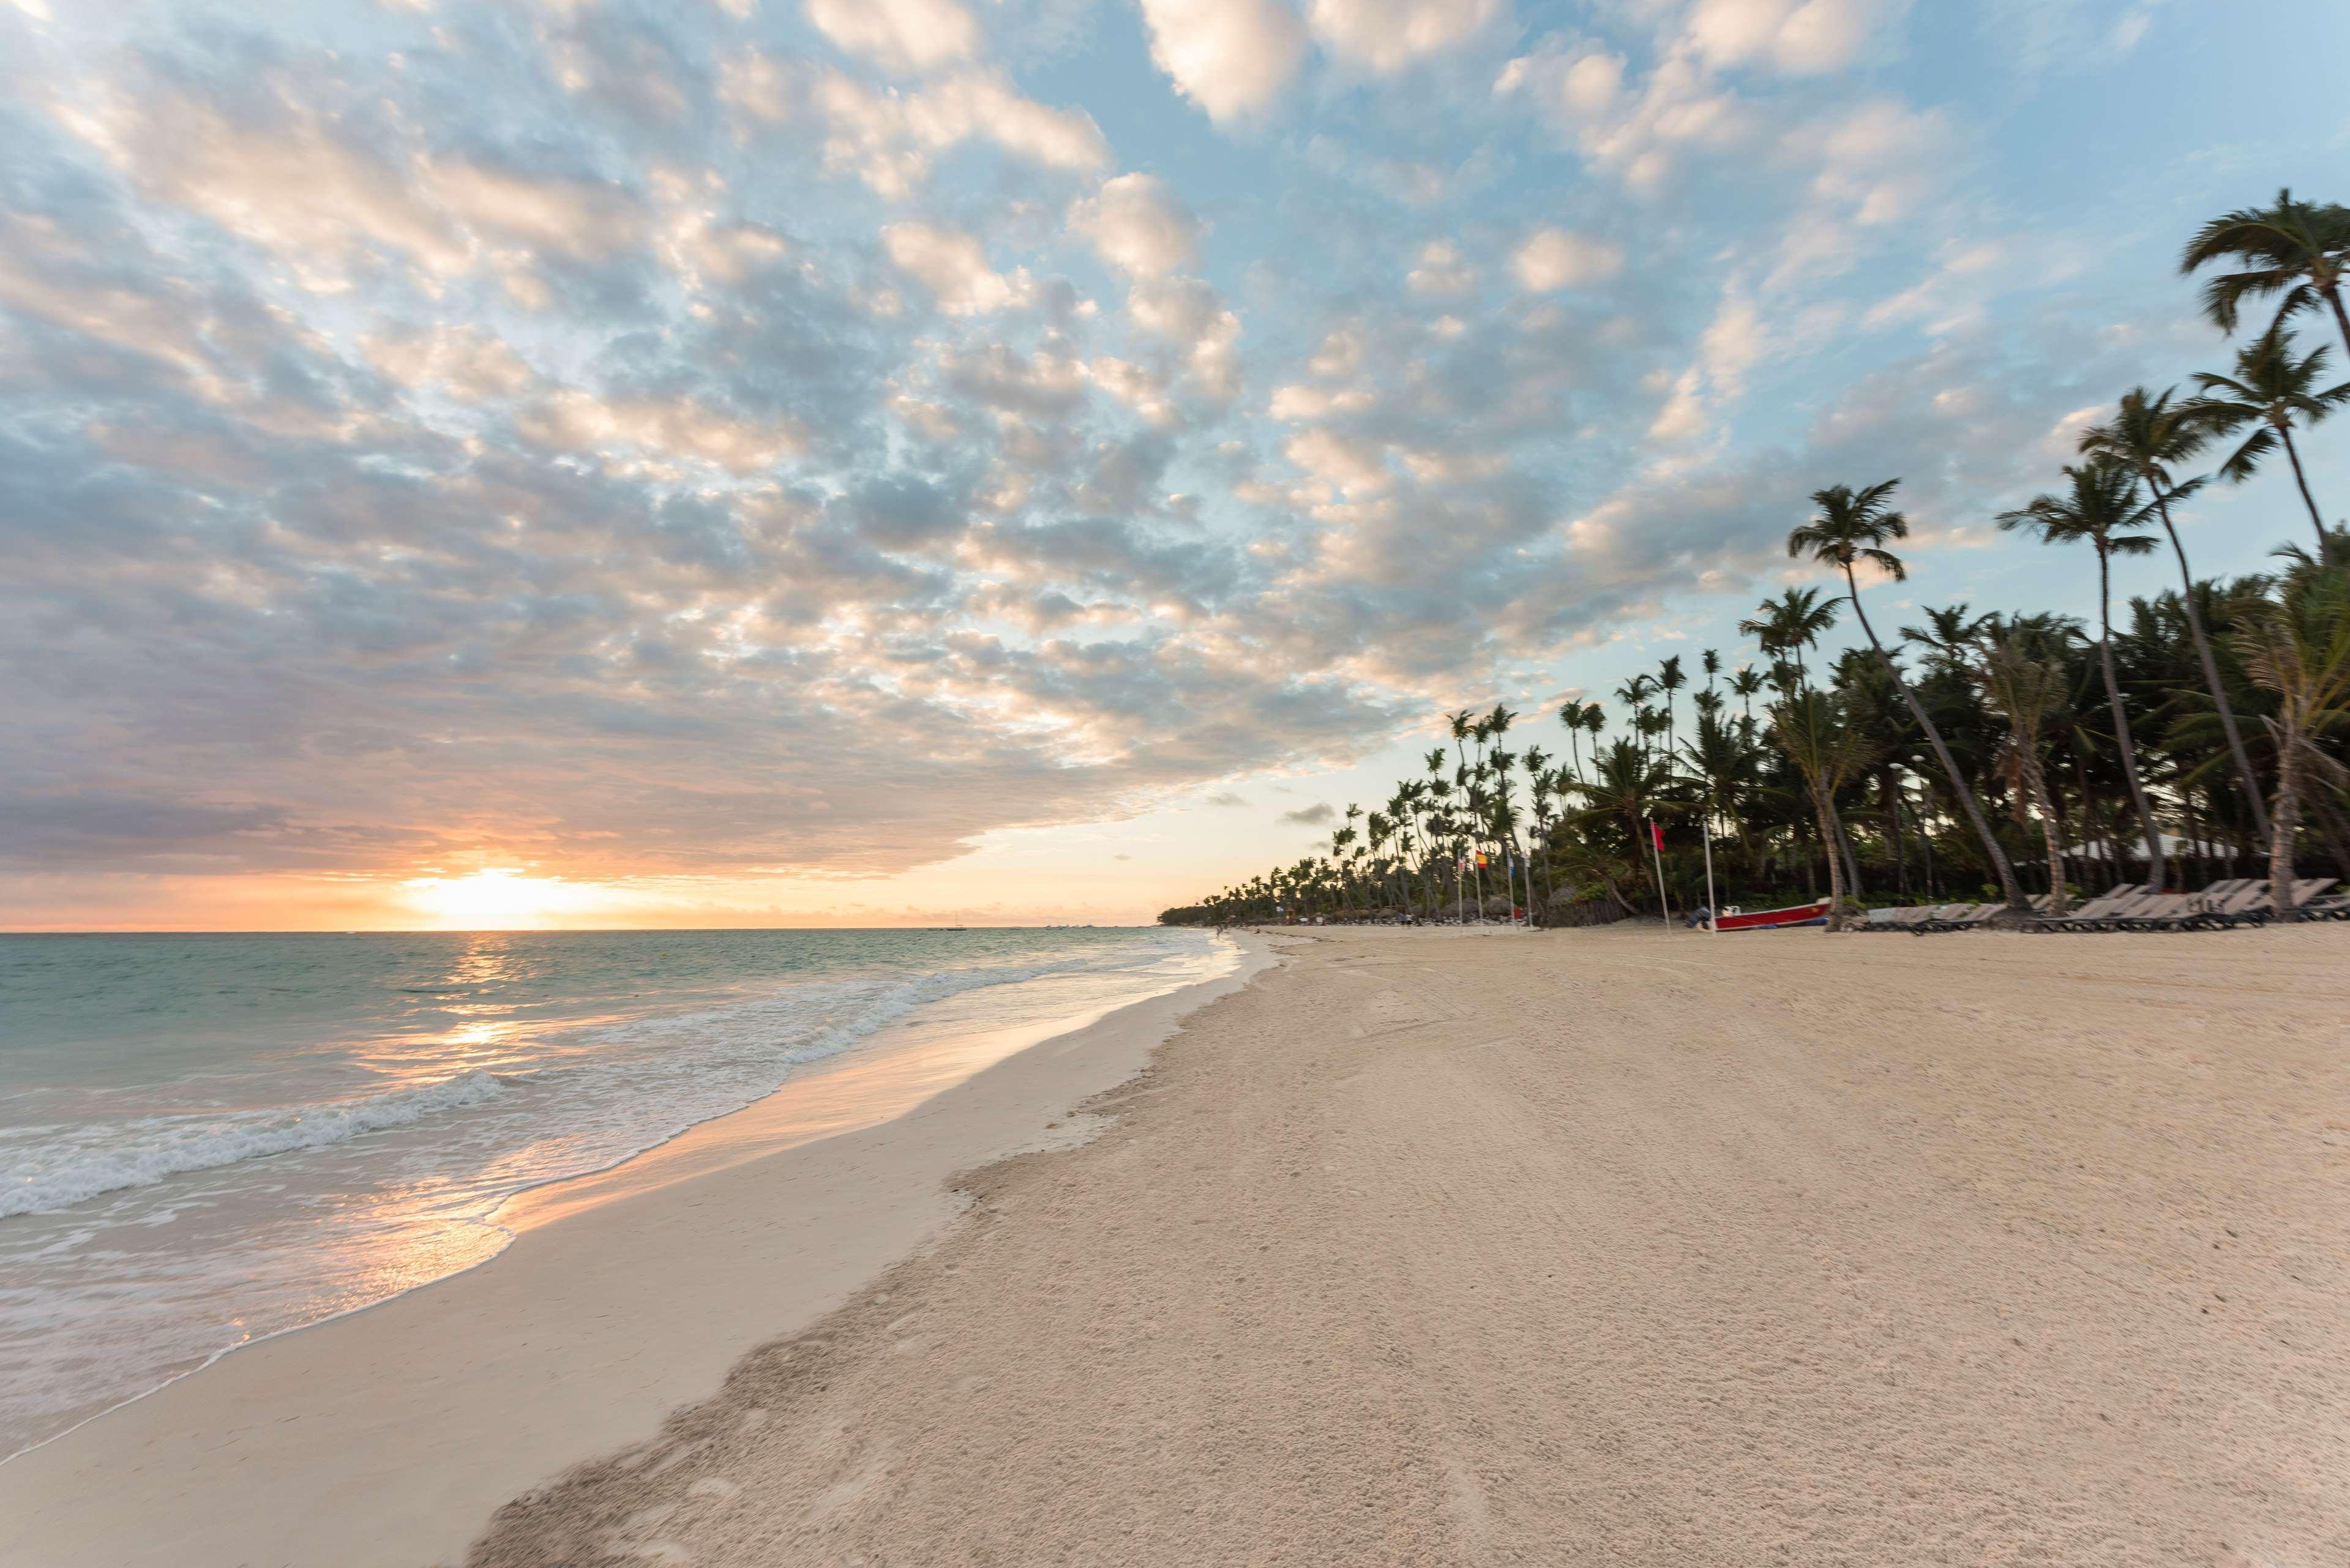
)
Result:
{"points": [[385, 1438], [1608, 1246]]}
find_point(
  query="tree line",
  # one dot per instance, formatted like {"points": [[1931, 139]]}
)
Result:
{"points": [[2201, 731]]}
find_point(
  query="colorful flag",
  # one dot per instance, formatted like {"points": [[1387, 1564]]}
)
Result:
{"points": [[1481, 860], [1657, 835]]}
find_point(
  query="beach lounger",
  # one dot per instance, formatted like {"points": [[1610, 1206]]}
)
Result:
{"points": [[2099, 913], [1958, 918], [2252, 907], [2172, 912]]}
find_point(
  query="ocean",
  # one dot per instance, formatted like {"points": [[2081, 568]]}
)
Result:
{"points": [[206, 1140]]}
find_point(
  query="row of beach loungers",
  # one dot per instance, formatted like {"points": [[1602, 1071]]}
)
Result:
{"points": [[2239, 901]]}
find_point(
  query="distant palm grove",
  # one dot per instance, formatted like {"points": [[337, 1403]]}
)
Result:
{"points": [[2199, 733]]}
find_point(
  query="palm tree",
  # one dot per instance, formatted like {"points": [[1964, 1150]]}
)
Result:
{"points": [[1791, 623], [2148, 435], [1746, 682], [1853, 526], [1542, 783], [1571, 715], [1721, 765], [2025, 690], [1595, 722], [1670, 680], [2297, 645], [1829, 754], [1460, 724], [2103, 508], [1634, 694], [1628, 788], [1497, 724], [2293, 248], [1950, 635], [2269, 390]]}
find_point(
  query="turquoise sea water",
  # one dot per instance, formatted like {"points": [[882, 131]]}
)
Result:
{"points": [[207, 1140]]}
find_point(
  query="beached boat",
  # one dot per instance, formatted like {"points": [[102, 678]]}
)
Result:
{"points": [[1812, 914]]}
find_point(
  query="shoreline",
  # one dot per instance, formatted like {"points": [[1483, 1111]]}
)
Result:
{"points": [[376, 1474]]}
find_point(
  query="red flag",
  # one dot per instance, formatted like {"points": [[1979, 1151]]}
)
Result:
{"points": [[1657, 835]]}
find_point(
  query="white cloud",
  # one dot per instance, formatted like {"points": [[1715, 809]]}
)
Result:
{"points": [[1732, 345], [576, 421], [1442, 270], [1635, 134], [1137, 224], [467, 362], [1880, 160], [1232, 58], [1188, 315], [1799, 38], [1349, 467], [953, 265], [1551, 259], [905, 35], [1386, 36], [887, 139], [755, 85]]}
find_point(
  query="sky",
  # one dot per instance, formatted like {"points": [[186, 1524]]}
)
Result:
{"points": [[871, 462]]}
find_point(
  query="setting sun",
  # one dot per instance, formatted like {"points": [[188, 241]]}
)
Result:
{"points": [[500, 898]]}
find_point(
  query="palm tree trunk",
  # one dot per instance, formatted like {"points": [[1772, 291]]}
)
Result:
{"points": [[2012, 893], [2306, 499], [1889, 782], [1550, 881], [2334, 298], [1844, 847], [2211, 665], [2035, 779], [1836, 871], [2155, 874], [2286, 819]]}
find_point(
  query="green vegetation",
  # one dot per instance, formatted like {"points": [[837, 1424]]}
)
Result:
{"points": [[1984, 756]]}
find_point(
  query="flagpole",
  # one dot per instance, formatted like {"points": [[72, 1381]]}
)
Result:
{"points": [[1656, 852], [1712, 910]]}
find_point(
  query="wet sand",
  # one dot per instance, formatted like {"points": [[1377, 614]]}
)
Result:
{"points": [[1604, 1247]]}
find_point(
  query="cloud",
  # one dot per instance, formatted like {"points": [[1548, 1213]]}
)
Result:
{"points": [[1442, 271], [1385, 36], [889, 139], [464, 361], [1801, 38], [1138, 225], [1227, 798], [1232, 58], [953, 265], [1313, 816], [1551, 259], [903, 35]]}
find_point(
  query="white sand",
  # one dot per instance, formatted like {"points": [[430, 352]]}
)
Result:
{"points": [[1604, 1248], [384, 1439]]}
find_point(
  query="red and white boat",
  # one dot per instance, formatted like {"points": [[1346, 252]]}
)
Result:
{"points": [[1812, 914]]}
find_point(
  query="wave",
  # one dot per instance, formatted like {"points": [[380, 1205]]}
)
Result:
{"points": [[155, 1149], [642, 1082]]}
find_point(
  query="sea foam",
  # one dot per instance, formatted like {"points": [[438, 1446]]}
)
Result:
{"points": [[701, 1065]]}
